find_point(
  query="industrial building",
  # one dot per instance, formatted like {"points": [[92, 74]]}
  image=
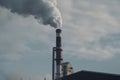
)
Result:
{"points": [[64, 70], [90, 75], [67, 69]]}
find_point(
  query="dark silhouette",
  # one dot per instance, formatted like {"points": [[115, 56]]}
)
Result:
{"points": [[89, 75]]}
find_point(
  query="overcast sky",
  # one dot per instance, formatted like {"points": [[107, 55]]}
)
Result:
{"points": [[90, 36]]}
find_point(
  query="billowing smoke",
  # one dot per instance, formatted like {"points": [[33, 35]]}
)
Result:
{"points": [[44, 11]]}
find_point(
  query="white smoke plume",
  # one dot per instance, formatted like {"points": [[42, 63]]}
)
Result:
{"points": [[44, 11]]}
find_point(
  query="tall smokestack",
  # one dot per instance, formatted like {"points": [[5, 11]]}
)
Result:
{"points": [[58, 53]]}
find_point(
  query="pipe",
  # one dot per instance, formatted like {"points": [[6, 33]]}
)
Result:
{"points": [[53, 63]]}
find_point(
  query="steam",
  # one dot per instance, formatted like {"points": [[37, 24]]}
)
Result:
{"points": [[44, 11]]}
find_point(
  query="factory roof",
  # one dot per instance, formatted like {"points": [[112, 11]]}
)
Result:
{"points": [[90, 75]]}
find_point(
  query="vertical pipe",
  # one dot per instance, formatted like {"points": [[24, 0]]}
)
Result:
{"points": [[53, 63]]}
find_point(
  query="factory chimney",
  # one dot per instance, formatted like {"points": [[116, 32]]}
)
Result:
{"points": [[58, 53], [57, 57]]}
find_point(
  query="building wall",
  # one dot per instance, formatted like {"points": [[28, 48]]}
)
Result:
{"points": [[66, 69]]}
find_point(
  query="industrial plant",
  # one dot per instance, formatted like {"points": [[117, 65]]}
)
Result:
{"points": [[64, 71]]}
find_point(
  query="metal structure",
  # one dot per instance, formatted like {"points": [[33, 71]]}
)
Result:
{"points": [[57, 56]]}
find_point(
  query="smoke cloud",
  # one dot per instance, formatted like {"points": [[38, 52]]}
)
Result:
{"points": [[44, 11]]}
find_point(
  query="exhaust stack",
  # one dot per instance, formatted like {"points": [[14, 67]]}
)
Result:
{"points": [[58, 53], [57, 56]]}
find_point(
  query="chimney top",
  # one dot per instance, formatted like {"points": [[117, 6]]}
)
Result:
{"points": [[58, 30]]}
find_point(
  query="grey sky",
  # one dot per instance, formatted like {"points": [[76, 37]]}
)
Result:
{"points": [[90, 39]]}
